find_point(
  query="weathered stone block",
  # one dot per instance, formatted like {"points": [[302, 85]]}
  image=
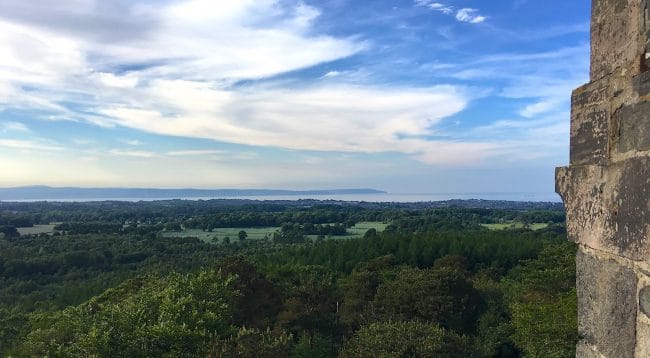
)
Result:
{"points": [[642, 341], [606, 305], [606, 189], [615, 34], [644, 301], [584, 351], [634, 127], [608, 207], [590, 124], [641, 84]]}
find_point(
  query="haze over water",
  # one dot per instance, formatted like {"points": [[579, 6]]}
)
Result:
{"points": [[375, 197]]}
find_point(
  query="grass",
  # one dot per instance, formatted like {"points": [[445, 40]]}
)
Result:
{"points": [[514, 225], [37, 229], [258, 233], [254, 233], [357, 230], [360, 228]]}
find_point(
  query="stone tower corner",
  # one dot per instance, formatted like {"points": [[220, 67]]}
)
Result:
{"points": [[606, 187]]}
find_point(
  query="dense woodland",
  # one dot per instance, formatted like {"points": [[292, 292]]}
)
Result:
{"points": [[110, 281]]}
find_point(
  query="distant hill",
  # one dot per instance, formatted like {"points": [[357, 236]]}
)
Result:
{"points": [[74, 193]]}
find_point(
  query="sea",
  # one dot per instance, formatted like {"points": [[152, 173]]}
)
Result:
{"points": [[372, 198]]}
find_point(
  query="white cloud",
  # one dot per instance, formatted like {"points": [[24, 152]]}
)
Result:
{"points": [[132, 153], [71, 51], [132, 142], [448, 10], [445, 9], [331, 74], [543, 106], [470, 15], [320, 118], [29, 145], [545, 79], [172, 70], [13, 127], [192, 152], [83, 141]]}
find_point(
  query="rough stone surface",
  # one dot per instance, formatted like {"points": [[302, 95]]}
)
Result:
{"points": [[606, 305], [641, 84], [608, 206], [643, 341], [616, 31], [634, 127], [644, 301], [584, 351], [606, 187], [589, 123]]}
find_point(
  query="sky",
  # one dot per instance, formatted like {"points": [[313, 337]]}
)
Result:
{"points": [[407, 96]]}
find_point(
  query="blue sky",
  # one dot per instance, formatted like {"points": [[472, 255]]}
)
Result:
{"points": [[407, 96]]}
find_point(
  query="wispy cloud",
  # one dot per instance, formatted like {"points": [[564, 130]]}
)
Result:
{"points": [[29, 145], [544, 78], [132, 153], [13, 127], [131, 142], [320, 118], [195, 152], [445, 9], [468, 15], [184, 69], [168, 75]]}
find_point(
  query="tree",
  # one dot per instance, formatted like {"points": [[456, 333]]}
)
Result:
{"points": [[177, 315], [310, 306], [9, 231], [251, 342], [370, 234], [407, 339], [544, 303], [257, 302], [442, 296], [314, 346], [242, 235]]}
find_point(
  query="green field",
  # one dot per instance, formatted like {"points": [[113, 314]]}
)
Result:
{"points": [[254, 233], [360, 228], [514, 225], [258, 233], [37, 229], [357, 230]]}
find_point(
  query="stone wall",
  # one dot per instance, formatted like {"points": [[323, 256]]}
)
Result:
{"points": [[606, 187]]}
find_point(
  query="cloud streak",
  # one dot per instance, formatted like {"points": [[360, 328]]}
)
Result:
{"points": [[29, 145], [320, 118], [177, 72], [468, 15]]}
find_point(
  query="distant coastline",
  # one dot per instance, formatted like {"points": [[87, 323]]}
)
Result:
{"points": [[73, 194], [31, 193]]}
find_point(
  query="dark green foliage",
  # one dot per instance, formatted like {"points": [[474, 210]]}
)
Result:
{"points": [[310, 302], [9, 231], [242, 235], [257, 301], [407, 339], [435, 283], [315, 346], [441, 296], [481, 249], [252, 343], [177, 315], [544, 303]]}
